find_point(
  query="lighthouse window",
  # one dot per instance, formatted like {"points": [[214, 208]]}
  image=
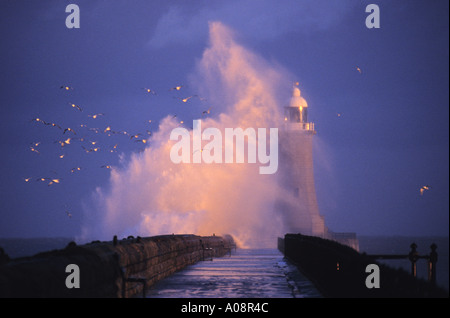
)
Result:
{"points": [[293, 113], [305, 114]]}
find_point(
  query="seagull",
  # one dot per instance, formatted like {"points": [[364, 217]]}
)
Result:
{"points": [[54, 125], [359, 70], [205, 112], [75, 169], [184, 100], [39, 121], [106, 166], [338, 114], [68, 214], [34, 150], [135, 136], [27, 179], [177, 88], [76, 106], [95, 115], [96, 130], [69, 129], [90, 150], [114, 148], [52, 180], [425, 187], [201, 150], [144, 141], [66, 88], [148, 90], [64, 142]]}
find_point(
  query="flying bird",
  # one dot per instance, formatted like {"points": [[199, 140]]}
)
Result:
{"points": [[359, 70], [184, 100], [75, 169], [76, 106], [34, 150], [69, 129], [113, 148], [90, 150], [95, 115], [54, 125], [206, 112], [424, 188], [64, 142], [38, 120], [68, 214], [66, 88], [135, 136], [148, 90], [177, 88], [201, 150], [106, 166], [52, 180], [96, 130]]}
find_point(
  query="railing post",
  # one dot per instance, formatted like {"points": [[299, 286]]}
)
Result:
{"points": [[432, 264], [413, 256]]}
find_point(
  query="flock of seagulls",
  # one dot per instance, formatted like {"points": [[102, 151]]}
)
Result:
{"points": [[83, 136]]}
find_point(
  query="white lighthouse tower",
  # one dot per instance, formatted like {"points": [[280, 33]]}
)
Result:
{"points": [[298, 207]]}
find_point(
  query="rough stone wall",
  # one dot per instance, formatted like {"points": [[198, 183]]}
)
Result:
{"points": [[107, 269]]}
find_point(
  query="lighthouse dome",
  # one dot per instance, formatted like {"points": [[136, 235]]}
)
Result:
{"points": [[297, 100]]}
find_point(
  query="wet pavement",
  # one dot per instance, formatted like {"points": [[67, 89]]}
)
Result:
{"points": [[247, 273]]}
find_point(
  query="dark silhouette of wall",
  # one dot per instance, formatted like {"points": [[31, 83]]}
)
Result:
{"points": [[340, 271], [118, 268]]}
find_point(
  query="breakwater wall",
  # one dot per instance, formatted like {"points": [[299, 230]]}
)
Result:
{"points": [[340, 271], [117, 268]]}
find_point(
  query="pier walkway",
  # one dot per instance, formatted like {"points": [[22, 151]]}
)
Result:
{"points": [[247, 273]]}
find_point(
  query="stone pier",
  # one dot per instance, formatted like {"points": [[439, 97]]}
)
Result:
{"points": [[117, 268]]}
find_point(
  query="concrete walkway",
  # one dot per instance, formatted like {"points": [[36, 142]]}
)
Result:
{"points": [[247, 273]]}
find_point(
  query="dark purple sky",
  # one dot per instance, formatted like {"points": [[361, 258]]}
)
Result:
{"points": [[392, 136]]}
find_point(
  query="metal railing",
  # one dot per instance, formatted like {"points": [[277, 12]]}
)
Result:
{"points": [[413, 257]]}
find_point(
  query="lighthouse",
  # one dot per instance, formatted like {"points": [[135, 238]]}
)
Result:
{"points": [[298, 206]]}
